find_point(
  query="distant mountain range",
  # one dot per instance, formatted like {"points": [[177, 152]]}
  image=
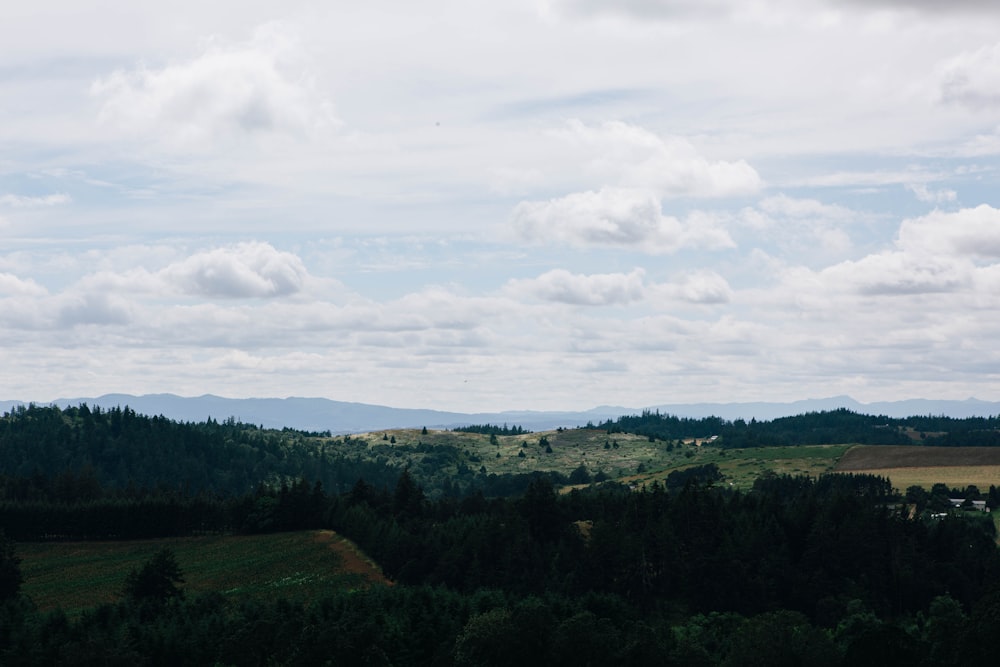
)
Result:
{"points": [[321, 414]]}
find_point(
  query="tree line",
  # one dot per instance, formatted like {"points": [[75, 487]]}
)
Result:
{"points": [[491, 429], [812, 428]]}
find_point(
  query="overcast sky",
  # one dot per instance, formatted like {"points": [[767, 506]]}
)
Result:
{"points": [[501, 205]]}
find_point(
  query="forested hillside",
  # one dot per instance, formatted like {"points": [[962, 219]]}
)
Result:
{"points": [[119, 448], [74, 453], [828, 570], [68, 453]]}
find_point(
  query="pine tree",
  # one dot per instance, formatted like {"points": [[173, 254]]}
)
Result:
{"points": [[157, 579]]}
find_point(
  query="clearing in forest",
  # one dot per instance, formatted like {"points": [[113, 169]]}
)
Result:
{"points": [[302, 566]]}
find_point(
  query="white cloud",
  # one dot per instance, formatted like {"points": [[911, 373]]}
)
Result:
{"points": [[811, 209], [769, 12], [935, 6], [614, 217], [32, 308], [245, 270], [22, 201], [983, 143], [93, 308], [634, 157], [231, 90], [972, 79], [702, 287], [644, 9], [969, 232], [12, 285], [935, 253], [925, 194], [636, 169], [802, 226], [898, 273], [602, 289]]}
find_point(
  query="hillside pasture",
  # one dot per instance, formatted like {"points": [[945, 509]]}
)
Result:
{"points": [[299, 566], [571, 448], [741, 467]]}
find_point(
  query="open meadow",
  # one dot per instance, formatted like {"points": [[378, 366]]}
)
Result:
{"points": [[740, 467]]}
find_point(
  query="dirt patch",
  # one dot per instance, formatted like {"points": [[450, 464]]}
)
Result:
{"points": [[354, 560], [875, 457]]}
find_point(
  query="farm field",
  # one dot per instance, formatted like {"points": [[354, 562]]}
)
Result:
{"points": [[926, 466], [298, 566], [956, 477], [866, 457]]}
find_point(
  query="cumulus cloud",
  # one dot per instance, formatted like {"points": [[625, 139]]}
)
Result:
{"points": [[602, 289], [14, 286], [896, 273], [637, 169], [669, 166], [970, 232], [615, 217], [21, 201], [230, 90], [245, 270], [972, 79], [936, 253], [703, 287]]}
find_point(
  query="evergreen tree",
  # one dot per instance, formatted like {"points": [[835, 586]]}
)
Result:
{"points": [[10, 568], [156, 580]]}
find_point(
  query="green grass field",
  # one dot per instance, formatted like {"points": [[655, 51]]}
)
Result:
{"points": [[299, 566], [742, 466]]}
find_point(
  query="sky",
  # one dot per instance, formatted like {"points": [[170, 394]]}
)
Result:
{"points": [[482, 206]]}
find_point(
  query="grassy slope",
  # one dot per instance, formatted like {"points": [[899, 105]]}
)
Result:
{"points": [[570, 448], [742, 466], [573, 447], [300, 566]]}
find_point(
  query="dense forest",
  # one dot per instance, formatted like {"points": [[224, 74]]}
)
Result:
{"points": [[832, 570]]}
